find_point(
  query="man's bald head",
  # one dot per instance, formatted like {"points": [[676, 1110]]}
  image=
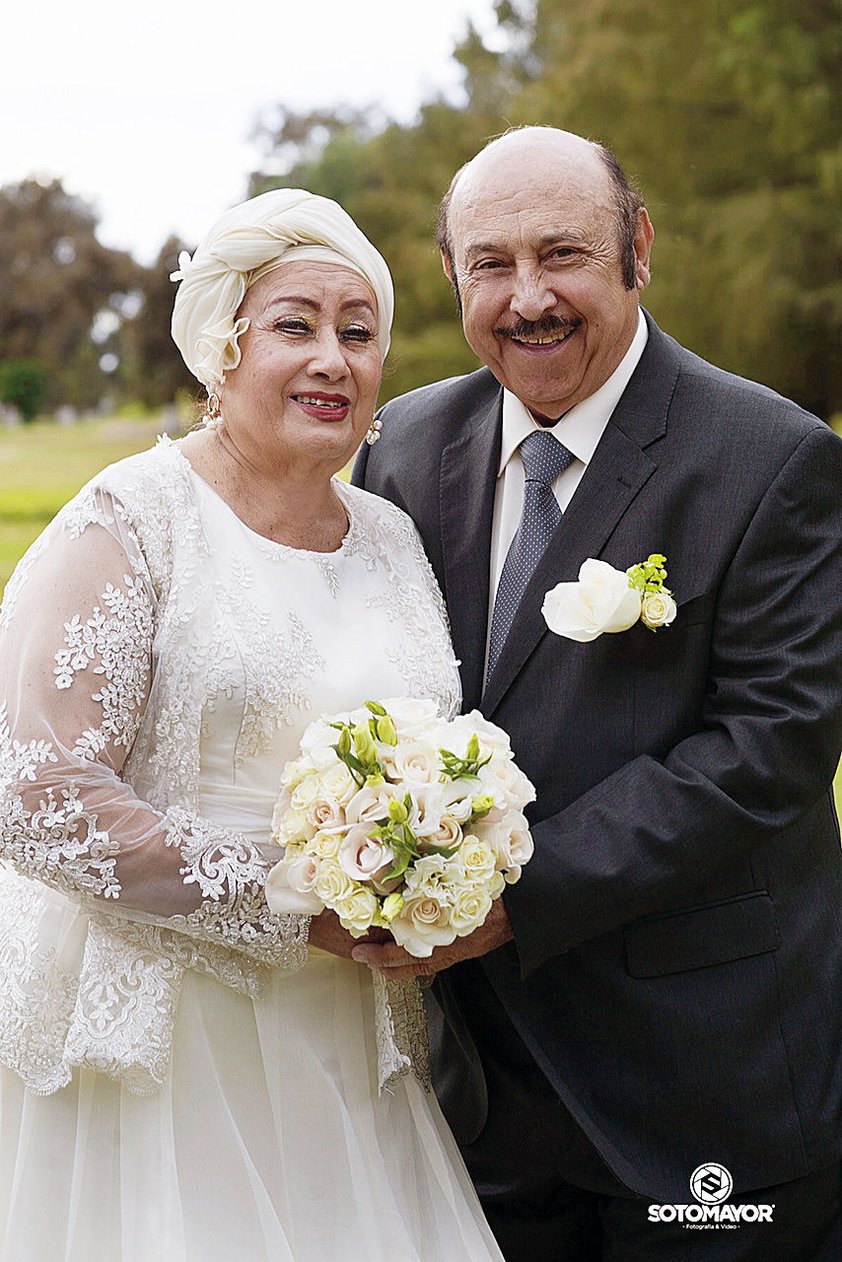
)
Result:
{"points": [[550, 148]]}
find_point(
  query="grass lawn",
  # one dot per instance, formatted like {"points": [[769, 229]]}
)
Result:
{"points": [[42, 465]]}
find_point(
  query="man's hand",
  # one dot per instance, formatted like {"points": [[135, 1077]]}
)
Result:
{"points": [[398, 965], [327, 934]]}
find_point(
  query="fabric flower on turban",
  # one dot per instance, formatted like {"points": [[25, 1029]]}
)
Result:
{"points": [[248, 241]]}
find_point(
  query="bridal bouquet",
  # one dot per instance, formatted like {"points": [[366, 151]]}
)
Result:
{"points": [[398, 819]]}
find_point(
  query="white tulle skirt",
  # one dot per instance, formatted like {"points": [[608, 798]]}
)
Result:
{"points": [[268, 1143]]}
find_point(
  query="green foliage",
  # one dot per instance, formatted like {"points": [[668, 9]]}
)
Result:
{"points": [[23, 383], [728, 113]]}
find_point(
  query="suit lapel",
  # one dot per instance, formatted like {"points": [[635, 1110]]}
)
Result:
{"points": [[467, 483], [620, 467]]}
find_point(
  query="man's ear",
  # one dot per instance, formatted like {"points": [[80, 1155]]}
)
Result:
{"points": [[447, 265], [644, 235]]}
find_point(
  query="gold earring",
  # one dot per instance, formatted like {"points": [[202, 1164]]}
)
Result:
{"points": [[212, 418]]}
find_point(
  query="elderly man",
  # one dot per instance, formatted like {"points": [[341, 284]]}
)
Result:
{"points": [[643, 1042]]}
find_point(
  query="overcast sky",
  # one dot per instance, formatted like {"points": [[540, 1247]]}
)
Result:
{"points": [[147, 109]]}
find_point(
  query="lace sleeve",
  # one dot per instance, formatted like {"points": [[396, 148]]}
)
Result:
{"points": [[76, 669]]}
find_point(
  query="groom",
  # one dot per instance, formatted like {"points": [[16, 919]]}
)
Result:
{"points": [[662, 990]]}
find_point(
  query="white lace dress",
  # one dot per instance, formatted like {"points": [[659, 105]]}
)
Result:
{"points": [[179, 1081]]}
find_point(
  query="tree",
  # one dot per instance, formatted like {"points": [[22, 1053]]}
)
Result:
{"points": [[153, 371], [729, 114], [23, 383], [59, 280]]}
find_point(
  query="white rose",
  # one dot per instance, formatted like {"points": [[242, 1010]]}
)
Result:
{"points": [[357, 910], [470, 909], [363, 857], [511, 842], [424, 923], [491, 737], [507, 784], [600, 601], [416, 763], [411, 715], [290, 886], [658, 610], [429, 805], [369, 805], [317, 744]]}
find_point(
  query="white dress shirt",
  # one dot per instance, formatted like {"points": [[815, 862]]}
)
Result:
{"points": [[579, 430]]}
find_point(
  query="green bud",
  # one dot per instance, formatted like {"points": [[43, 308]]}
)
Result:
{"points": [[481, 805], [397, 811], [386, 731], [393, 905], [376, 708], [364, 746], [345, 741], [472, 752], [374, 781]]}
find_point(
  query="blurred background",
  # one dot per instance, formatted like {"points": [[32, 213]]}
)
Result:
{"points": [[135, 132]]}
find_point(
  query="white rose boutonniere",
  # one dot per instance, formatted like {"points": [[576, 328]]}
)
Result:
{"points": [[605, 600]]}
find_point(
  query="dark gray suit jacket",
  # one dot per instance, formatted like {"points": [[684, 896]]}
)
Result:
{"points": [[676, 968]]}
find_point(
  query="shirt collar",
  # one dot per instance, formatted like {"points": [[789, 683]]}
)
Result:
{"points": [[581, 428]]}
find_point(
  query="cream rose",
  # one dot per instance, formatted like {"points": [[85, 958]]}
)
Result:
{"points": [[659, 610], [362, 857], [324, 812], [424, 923], [337, 782], [332, 883], [290, 887], [357, 910], [478, 859], [601, 601], [470, 909]]}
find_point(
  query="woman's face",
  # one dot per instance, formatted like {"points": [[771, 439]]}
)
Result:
{"points": [[305, 388]]}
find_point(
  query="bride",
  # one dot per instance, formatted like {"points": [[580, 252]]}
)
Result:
{"points": [[182, 1079]]}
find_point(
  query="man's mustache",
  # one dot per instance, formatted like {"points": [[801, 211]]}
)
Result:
{"points": [[545, 327]]}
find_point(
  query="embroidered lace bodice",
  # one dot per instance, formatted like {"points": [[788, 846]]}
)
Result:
{"points": [[158, 663]]}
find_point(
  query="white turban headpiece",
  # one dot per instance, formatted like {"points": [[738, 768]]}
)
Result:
{"points": [[244, 244]]}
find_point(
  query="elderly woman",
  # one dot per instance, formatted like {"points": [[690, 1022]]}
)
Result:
{"points": [[180, 1081]]}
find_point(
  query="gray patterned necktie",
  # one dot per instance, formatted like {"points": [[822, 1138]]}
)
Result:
{"points": [[543, 458]]}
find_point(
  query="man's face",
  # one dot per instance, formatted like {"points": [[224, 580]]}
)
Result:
{"points": [[536, 251]]}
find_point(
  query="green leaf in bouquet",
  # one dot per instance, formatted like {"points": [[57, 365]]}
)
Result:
{"points": [[466, 768], [442, 850]]}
